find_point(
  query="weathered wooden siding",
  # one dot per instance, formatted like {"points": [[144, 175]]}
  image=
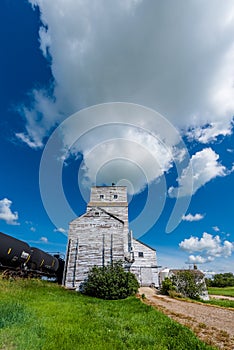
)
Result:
{"points": [[144, 267], [108, 194], [93, 240], [101, 236], [113, 199]]}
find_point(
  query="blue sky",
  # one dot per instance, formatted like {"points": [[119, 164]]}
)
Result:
{"points": [[161, 75]]}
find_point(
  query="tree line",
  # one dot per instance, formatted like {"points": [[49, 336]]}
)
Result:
{"points": [[221, 280]]}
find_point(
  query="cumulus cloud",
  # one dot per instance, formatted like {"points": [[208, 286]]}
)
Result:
{"points": [[137, 157], [6, 213], [175, 57], [198, 259], [120, 141], [208, 246], [191, 217], [205, 167]]}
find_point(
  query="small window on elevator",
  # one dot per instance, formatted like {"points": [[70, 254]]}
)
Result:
{"points": [[97, 213], [140, 254], [101, 196], [115, 196]]}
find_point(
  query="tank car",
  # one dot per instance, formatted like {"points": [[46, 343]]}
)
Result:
{"points": [[17, 258], [42, 261], [59, 272], [13, 252]]}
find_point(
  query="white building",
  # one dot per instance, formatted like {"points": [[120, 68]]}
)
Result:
{"points": [[101, 236]]}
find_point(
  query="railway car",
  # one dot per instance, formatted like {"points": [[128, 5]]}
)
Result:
{"points": [[17, 258], [43, 261], [13, 252]]}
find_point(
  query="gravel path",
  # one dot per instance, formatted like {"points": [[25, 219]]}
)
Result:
{"points": [[214, 325], [214, 296]]}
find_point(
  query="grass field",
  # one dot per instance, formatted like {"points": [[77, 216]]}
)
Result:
{"points": [[220, 302], [41, 315], [227, 291]]}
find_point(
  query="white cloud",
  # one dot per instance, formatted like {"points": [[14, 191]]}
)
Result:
{"points": [[33, 229], [6, 214], [32, 142], [120, 141], [40, 117], [209, 247], [206, 134], [136, 156], [177, 59], [45, 41], [190, 217], [205, 167], [44, 239], [61, 230], [198, 259], [216, 228]]}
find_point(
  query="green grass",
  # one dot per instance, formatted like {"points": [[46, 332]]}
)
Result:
{"points": [[39, 315], [220, 302], [227, 291]]}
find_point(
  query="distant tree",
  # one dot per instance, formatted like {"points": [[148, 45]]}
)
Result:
{"points": [[110, 282], [189, 283], [208, 282], [222, 280]]}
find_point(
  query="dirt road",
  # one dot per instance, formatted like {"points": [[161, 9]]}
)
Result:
{"points": [[214, 325]]}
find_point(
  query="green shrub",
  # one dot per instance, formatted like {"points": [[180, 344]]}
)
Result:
{"points": [[167, 286], [110, 282], [174, 294], [189, 284], [185, 283]]}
